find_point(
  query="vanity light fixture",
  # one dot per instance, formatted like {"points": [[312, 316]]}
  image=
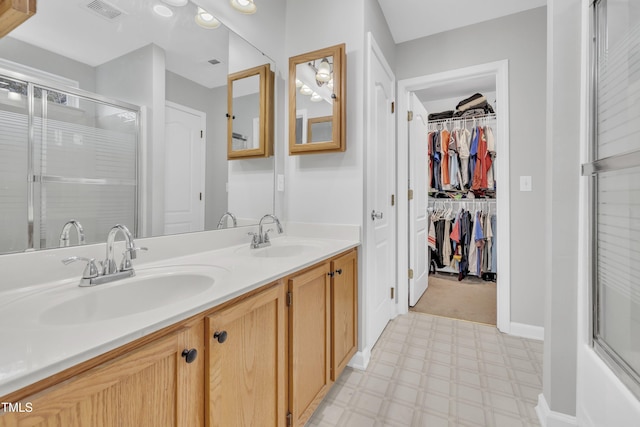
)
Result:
{"points": [[305, 90], [298, 83], [206, 20], [244, 6], [324, 71], [315, 97], [176, 3], [163, 11], [330, 84]]}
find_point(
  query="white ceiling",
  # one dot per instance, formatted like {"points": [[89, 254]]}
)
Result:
{"points": [[412, 19]]}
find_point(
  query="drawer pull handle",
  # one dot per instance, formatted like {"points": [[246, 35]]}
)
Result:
{"points": [[220, 336], [190, 355]]}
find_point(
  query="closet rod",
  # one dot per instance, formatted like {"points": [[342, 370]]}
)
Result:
{"points": [[452, 119]]}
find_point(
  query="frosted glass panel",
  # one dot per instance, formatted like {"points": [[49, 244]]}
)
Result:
{"points": [[618, 262], [85, 157], [618, 70], [13, 165]]}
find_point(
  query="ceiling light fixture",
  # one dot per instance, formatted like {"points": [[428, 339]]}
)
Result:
{"points": [[305, 90], [315, 97], [163, 11], [299, 83], [330, 84], [206, 20], [176, 3], [244, 6]]}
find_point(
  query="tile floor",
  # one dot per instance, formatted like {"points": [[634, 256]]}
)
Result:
{"points": [[433, 371]]}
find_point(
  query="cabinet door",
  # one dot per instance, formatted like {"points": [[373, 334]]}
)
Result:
{"points": [[246, 362], [152, 386], [309, 332], [344, 309]]}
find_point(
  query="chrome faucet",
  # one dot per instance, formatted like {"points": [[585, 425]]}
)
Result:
{"points": [[223, 224], [64, 235], [261, 239], [96, 273]]}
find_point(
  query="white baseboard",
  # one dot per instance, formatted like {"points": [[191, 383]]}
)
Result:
{"points": [[361, 359], [527, 331], [549, 418]]}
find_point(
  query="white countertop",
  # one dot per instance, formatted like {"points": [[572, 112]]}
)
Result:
{"points": [[34, 347]]}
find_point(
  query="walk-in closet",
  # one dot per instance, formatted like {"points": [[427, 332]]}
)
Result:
{"points": [[461, 214]]}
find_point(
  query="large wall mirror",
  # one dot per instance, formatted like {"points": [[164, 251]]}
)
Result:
{"points": [[317, 103], [115, 112]]}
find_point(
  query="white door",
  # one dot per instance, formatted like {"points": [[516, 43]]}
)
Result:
{"points": [[418, 222], [380, 184], [184, 169]]}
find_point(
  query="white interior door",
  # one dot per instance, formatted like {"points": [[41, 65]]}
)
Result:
{"points": [[381, 227], [184, 169], [418, 222]]}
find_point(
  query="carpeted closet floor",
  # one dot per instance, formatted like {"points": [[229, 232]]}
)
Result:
{"points": [[472, 299]]}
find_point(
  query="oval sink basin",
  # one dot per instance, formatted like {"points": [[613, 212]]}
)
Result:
{"points": [[150, 289]]}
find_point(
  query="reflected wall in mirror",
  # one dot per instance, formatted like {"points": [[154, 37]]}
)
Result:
{"points": [[317, 101], [120, 117], [250, 115]]}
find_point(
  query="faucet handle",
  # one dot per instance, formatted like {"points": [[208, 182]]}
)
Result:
{"points": [[127, 256], [90, 271], [265, 238]]}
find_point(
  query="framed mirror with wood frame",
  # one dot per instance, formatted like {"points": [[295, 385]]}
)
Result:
{"points": [[317, 97], [250, 113]]}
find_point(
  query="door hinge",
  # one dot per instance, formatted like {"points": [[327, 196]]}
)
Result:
{"points": [[409, 116], [393, 107], [393, 200], [289, 419], [200, 196], [289, 299], [411, 273], [410, 194], [393, 292], [201, 134]]}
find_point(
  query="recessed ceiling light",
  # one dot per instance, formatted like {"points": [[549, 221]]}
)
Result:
{"points": [[244, 6], [206, 20], [163, 11], [176, 3]]}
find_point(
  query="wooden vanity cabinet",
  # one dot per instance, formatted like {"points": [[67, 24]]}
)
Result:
{"points": [[246, 362], [308, 300], [344, 311], [153, 386], [323, 330]]}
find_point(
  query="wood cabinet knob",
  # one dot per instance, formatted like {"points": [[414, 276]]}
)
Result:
{"points": [[220, 336], [339, 271], [190, 355], [331, 274]]}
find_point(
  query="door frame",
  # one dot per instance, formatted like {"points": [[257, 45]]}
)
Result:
{"points": [[203, 156], [362, 357], [499, 69]]}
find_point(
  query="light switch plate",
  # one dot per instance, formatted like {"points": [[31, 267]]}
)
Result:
{"points": [[280, 183], [525, 183]]}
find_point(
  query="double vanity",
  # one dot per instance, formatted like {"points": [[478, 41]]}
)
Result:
{"points": [[235, 335]]}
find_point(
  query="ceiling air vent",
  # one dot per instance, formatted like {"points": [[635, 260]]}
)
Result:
{"points": [[105, 10], [213, 61]]}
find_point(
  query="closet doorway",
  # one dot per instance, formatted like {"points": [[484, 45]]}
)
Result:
{"points": [[431, 94]]}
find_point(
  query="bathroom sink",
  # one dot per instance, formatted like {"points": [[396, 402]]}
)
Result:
{"points": [[148, 290]]}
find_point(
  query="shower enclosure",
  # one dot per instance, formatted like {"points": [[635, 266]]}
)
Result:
{"points": [[64, 154]]}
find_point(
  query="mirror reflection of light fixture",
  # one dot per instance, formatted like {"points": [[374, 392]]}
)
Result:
{"points": [[244, 6], [298, 83], [315, 97], [176, 3], [163, 11], [330, 84], [206, 20], [324, 71], [305, 90]]}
